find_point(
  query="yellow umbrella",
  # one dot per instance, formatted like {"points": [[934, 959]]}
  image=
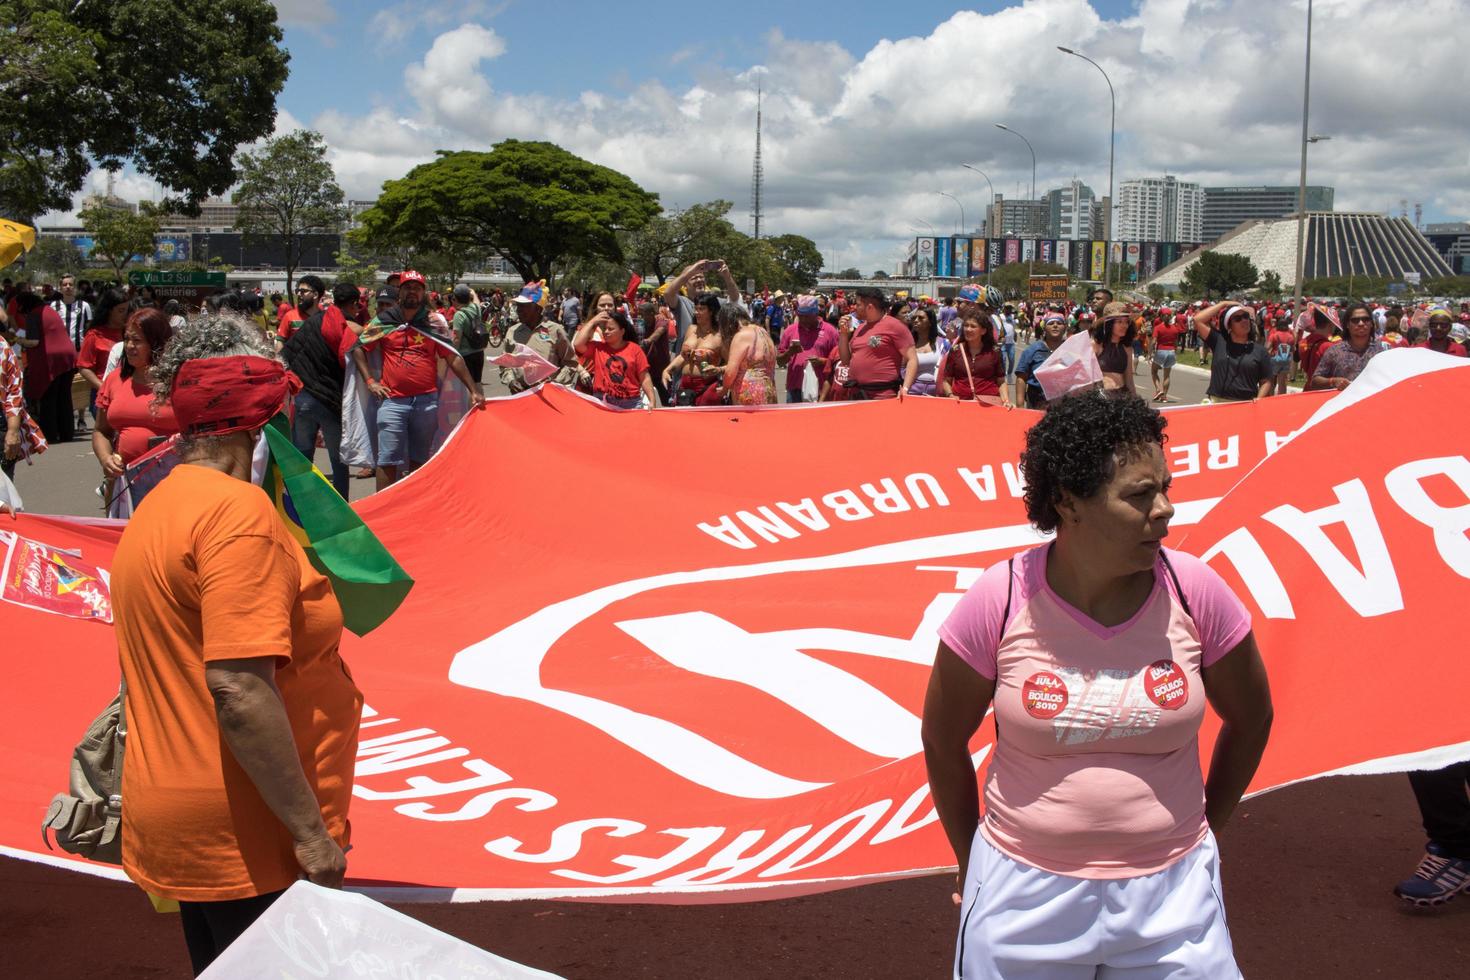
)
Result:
{"points": [[15, 240]]}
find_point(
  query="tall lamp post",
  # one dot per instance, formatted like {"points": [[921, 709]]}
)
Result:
{"points": [[1301, 192], [989, 211], [1031, 265], [1112, 142], [957, 204]]}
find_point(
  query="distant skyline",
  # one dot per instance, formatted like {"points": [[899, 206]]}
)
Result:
{"points": [[871, 109]]}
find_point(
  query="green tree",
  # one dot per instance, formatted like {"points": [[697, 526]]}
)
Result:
{"points": [[535, 203], [879, 274], [850, 273], [1156, 293], [119, 236], [288, 189], [356, 269], [1270, 284], [53, 257], [1013, 278], [667, 243], [170, 87], [1218, 274], [798, 262]]}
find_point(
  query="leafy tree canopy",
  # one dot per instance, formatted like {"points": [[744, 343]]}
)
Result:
{"points": [[287, 189], [171, 87], [119, 236], [1217, 274], [535, 203]]}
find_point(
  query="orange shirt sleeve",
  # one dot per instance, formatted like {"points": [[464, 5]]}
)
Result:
{"points": [[247, 588]]}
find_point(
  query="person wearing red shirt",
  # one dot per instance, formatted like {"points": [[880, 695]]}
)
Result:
{"points": [[974, 368], [50, 364], [1312, 344], [1439, 333], [879, 352], [315, 354], [1281, 344], [128, 423], [1164, 348], [107, 328], [408, 388], [620, 375]]}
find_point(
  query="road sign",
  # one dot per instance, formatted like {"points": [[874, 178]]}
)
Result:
{"points": [[215, 280], [1048, 289], [189, 288]]}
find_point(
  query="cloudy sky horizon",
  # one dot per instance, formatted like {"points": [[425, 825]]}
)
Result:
{"points": [[872, 109]]}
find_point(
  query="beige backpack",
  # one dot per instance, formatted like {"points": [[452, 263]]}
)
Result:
{"points": [[88, 820]]}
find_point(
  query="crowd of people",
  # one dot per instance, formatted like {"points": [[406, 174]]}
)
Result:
{"points": [[382, 365]]}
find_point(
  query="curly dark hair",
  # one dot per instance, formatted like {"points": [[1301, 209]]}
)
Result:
{"points": [[1076, 445]]}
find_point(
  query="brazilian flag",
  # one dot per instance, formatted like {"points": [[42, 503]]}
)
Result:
{"points": [[369, 583]]}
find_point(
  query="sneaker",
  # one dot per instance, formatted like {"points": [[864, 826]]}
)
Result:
{"points": [[1438, 879]]}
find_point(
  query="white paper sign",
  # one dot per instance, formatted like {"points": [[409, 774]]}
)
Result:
{"points": [[318, 932]]}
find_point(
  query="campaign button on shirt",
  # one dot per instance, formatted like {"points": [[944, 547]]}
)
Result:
{"points": [[1166, 685], [1044, 695]]}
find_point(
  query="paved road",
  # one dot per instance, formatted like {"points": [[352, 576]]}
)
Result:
{"points": [[64, 480]]}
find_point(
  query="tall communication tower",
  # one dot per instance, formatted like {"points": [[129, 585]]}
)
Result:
{"points": [[757, 173]]}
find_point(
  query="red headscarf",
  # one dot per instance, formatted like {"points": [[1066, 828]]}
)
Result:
{"points": [[213, 396]]}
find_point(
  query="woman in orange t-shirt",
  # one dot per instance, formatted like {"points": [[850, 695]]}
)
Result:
{"points": [[242, 718]]}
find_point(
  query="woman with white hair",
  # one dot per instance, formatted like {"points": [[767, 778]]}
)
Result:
{"points": [[242, 718], [1240, 367]]}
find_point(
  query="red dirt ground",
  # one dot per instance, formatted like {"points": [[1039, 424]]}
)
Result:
{"points": [[1308, 872]]}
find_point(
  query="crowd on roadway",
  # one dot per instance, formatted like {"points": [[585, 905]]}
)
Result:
{"points": [[75, 358]]}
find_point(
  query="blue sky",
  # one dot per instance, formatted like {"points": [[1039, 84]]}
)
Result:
{"points": [[873, 109], [585, 44]]}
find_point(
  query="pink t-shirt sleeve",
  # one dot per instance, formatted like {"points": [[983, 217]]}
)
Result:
{"points": [[1220, 618], [972, 630]]}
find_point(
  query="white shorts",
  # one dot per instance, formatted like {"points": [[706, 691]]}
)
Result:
{"points": [[1018, 921]]}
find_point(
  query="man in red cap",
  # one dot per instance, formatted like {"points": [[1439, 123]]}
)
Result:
{"points": [[407, 387]]}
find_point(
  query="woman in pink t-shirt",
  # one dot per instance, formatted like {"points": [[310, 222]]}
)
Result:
{"points": [[1097, 652]]}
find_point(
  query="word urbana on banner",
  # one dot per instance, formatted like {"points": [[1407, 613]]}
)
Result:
{"points": [[782, 520], [723, 853]]}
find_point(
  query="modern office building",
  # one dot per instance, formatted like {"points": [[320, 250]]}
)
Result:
{"points": [[1018, 218], [1227, 207], [1452, 240], [1074, 212], [1339, 244], [1160, 209]]}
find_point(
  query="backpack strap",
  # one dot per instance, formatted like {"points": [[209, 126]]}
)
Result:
{"points": [[1005, 617], [1178, 589]]}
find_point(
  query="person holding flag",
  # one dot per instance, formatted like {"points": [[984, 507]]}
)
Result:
{"points": [[407, 389]]}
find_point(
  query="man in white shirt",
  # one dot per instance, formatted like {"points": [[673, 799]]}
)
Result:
{"points": [[76, 314]]}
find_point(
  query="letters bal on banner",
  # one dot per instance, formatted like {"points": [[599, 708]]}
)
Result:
{"points": [[724, 704]]}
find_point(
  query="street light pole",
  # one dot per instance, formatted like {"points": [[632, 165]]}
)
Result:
{"points": [[1031, 264], [1112, 143], [960, 206], [989, 212], [1301, 192]]}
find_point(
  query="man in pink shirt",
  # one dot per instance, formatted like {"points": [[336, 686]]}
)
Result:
{"points": [[879, 352], [809, 341], [1097, 652]]}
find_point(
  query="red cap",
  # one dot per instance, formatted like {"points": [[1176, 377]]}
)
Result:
{"points": [[408, 276]]}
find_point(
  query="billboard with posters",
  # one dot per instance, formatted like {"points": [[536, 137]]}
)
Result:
{"points": [[979, 253], [1028, 249], [171, 248], [943, 257], [1099, 253], [1115, 253], [1170, 254], [1047, 250], [1013, 250], [1133, 253], [1150, 259], [995, 252], [961, 257], [924, 258], [1062, 256], [1077, 261]]}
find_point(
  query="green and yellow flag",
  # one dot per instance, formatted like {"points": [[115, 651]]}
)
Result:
{"points": [[369, 583]]}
